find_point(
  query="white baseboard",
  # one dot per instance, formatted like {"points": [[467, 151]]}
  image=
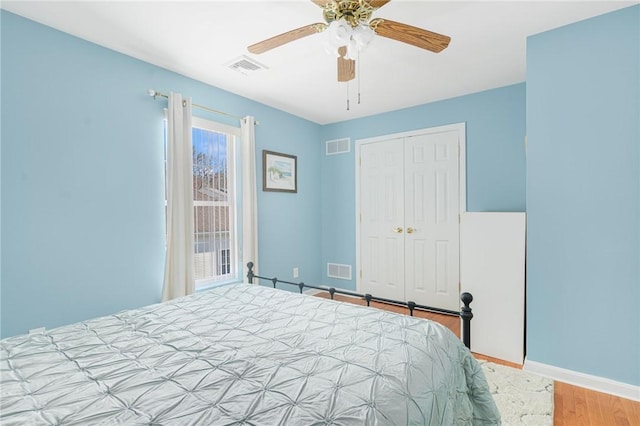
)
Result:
{"points": [[600, 384]]}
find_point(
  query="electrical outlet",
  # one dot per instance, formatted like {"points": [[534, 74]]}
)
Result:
{"points": [[296, 272]]}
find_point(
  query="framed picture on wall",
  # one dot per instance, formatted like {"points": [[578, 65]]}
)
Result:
{"points": [[279, 172]]}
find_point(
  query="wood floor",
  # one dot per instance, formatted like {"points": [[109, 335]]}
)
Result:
{"points": [[573, 405]]}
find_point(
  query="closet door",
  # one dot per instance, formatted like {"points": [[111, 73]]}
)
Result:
{"points": [[382, 219], [409, 190], [431, 196]]}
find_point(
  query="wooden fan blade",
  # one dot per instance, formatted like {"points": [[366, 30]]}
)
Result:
{"points": [[346, 67], [287, 37], [411, 35], [376, 4]]}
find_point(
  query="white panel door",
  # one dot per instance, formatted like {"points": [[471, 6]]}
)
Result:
{"points": [[382, 219], [432, 262], [411, 190]]}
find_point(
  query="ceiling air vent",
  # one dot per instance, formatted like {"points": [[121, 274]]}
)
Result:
{"points": [[245, 65], [338, 146]]}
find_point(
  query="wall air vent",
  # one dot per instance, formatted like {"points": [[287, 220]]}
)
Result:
{"points": [[336, 270], [245, 65], [338, 146]]}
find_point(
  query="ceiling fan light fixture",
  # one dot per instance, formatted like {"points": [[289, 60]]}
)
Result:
{"points": [[352, 50], [363, 35], [349, 29], [331, 49], [339, 32]]}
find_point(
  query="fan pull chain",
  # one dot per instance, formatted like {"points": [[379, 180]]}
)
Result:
{"points": [[347, 96]]}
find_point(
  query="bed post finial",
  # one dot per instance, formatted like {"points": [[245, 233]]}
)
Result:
{"points": [[367, 297], [411, 305], [301, 287], [250, 273], [466, 315]]}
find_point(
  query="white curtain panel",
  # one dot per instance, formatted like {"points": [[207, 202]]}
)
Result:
{"points": [[249, 195], [178, 274]]}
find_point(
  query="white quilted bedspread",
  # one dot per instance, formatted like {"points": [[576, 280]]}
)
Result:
{"points": [[244, 354]]}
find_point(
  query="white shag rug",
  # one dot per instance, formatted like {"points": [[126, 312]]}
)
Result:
{"points": [[522, 398]]}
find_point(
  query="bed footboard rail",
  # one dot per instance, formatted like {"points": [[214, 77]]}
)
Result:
{"points": [[465, 312]]}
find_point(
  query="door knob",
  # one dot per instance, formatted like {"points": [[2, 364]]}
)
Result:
{"points": [[411, 230], [398, 230]]}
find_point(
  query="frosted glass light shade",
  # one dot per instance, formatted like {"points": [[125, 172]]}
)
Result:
{"points": [[340, 33], [362, 35]]}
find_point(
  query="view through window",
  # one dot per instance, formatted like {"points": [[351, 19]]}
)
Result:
{"points": [[213, 202]]}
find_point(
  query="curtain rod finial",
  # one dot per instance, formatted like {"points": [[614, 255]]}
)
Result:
{"points": [[152, 93]]}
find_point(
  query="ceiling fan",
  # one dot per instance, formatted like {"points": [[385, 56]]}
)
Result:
{"points": [[351, 28]]}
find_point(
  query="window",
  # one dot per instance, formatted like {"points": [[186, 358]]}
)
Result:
{"points": [[214, 202], [225, 261]]}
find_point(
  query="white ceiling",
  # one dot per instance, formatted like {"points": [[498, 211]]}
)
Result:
{"points": [[197, 39]]}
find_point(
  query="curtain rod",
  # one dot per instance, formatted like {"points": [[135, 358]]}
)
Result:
{"points": [[154, 94]]}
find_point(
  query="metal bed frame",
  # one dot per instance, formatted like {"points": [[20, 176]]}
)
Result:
{"points": [[465, 312]]}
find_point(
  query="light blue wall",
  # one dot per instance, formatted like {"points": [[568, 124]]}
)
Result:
{"points": [[495, 122], [583, 196], [0, 182], [82, 179], [82, 229]]}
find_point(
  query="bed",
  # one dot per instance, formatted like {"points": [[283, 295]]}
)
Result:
{"points": [[244, 354]]}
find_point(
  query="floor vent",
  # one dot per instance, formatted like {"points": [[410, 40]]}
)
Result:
{"points": [[336, 270], [338, 146], [245, 65]]}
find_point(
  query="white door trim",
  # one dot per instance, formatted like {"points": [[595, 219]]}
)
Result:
{"points": [[462, 170]]}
